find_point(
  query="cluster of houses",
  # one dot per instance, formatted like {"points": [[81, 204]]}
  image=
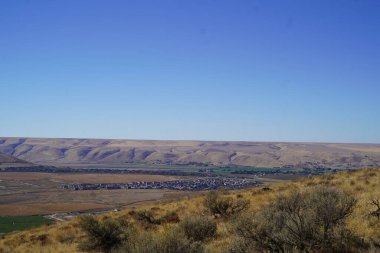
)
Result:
{"points": [[184, 185]]}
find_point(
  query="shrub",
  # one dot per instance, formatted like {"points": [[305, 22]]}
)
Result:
{"points": [[139, 242], [145, 216], [224, 206], [169, 217], [173, 241], [198, 228], [239, 245], [101, 236], [303, 221], [376, 204]]}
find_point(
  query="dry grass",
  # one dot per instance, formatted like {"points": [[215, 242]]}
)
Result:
{"points": [[259, 154], [41, 193], [363, 184]]}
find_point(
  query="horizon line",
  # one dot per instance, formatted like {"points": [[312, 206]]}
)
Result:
{"points": [[191, 140]]}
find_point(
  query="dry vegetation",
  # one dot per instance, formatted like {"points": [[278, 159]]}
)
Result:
{"points": [[25, 193], [158, 222], [83, 178], [258, 154]]}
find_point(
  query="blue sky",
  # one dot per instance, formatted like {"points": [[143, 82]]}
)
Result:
{"points": [[203, 69]]}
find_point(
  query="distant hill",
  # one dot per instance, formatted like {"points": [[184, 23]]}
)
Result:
{"points": [[219, 153], [9, 160]]}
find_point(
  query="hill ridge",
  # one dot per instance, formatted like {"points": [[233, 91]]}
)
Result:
{"points": [[218, 153]]}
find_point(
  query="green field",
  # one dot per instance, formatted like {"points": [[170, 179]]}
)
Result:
{"points": [[17, 223], [218, 170], [229, 170], [189, 168]]}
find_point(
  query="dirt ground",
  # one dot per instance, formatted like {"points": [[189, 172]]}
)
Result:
{"points": [[41, 193], [82, 178]]}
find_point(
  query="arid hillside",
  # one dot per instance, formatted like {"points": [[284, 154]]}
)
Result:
{"points": [[257, 154], [10, 160], [355, 193]]}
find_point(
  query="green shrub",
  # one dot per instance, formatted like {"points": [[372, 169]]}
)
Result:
{"points": [[101, 236], [139, 242], [224, 206], [304, 222], [146, 216], [198, 228], [239, 245], [173, 241]]}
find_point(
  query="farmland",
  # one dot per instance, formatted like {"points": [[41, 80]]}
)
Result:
{"points": [[25, 193], [18, 223]]}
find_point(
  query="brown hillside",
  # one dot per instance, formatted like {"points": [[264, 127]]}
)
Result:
{"points": [[257, 154], [9, 160]]}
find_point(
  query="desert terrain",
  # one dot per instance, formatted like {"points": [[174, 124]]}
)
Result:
{"points": [[41, 193], [218, 153], [362, 222], [26, 193], [9, 161]]}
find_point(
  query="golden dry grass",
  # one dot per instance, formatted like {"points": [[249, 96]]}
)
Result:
{"points": [[363, 184]]}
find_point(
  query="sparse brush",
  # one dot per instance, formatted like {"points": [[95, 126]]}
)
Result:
{"points": [[198, 228], [307, 221], [257, 225], [103, 236], [146, 216], [169, 217], [224, 206]]}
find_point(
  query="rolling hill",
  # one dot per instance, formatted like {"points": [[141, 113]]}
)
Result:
{"points": [[9, 160], [218, 153]]}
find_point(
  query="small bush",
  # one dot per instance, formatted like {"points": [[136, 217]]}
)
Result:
{"points": [[101, 236], [376, 204], [173, 241], [42, 239], [169, 217], [303, 221], [146, 216], [266, 189], [198, 228], [224, 206], [139, 242], [239, 245]]}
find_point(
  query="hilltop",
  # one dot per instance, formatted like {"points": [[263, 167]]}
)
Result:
{"points": [[363, 185], [256, 154]]}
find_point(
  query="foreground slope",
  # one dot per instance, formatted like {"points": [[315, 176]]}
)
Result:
{"points": [[364, 185], [257, 154]]}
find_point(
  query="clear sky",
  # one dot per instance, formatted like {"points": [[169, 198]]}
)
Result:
{"points": [[285, 70]]}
